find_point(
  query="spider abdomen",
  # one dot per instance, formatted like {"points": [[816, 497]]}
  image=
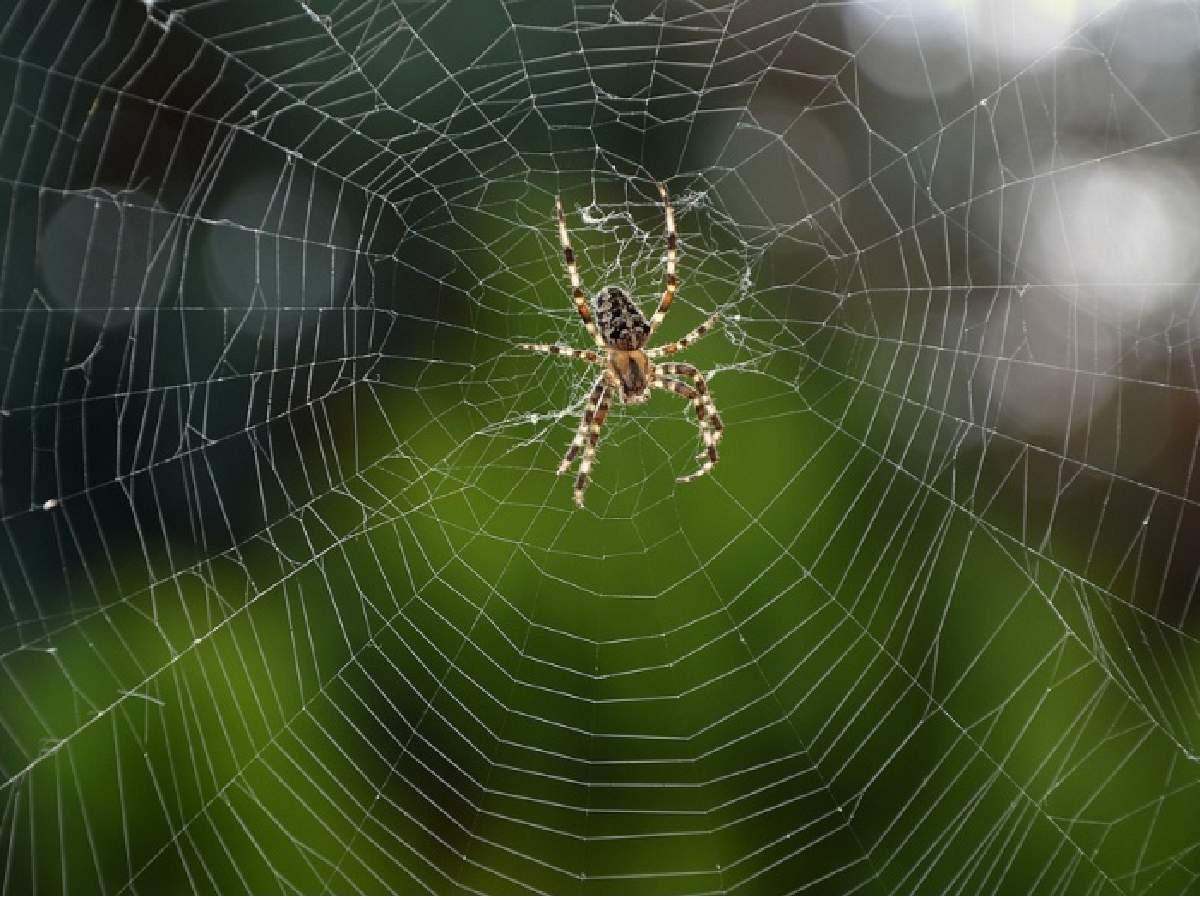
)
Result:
{"points": [[622, 325]]}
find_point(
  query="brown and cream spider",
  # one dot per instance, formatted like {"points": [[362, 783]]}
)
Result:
{"points": [[621, 334]]}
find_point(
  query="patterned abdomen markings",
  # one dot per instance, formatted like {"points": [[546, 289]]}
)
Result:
{"points": [[621, 323]]}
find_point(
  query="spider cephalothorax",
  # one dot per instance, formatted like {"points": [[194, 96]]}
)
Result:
{"points": [[632, 371], [621, 334]]}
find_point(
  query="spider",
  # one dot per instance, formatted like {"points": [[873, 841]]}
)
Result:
{"points": [[621, 334]]}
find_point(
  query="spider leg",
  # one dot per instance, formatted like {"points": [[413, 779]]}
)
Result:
{"points": [[591, 356], [690, 338], [709, 453], [581, 304], [589, 452], [706, 409], [711, 428], [581, 433], [668, 296]]}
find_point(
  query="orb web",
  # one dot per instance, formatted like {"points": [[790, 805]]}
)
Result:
{"points": [[294, 600]]}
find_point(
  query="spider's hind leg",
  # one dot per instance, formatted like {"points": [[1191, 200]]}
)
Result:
{"points": [[577, 295], [668, 296]]}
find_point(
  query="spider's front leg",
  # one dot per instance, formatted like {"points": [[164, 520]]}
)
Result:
{"points": [[594, 414], [711, 427], [589, 452], [589, 410]]}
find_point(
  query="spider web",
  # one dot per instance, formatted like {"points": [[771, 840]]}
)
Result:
{"points": [[294, 600]]}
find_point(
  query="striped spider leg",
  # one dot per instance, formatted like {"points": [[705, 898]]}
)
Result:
{"points": [[581, 304], [711, 428], [592, 356], [588, 433], [668, 296], [589, 452], [684, 342], [595, 412]]}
